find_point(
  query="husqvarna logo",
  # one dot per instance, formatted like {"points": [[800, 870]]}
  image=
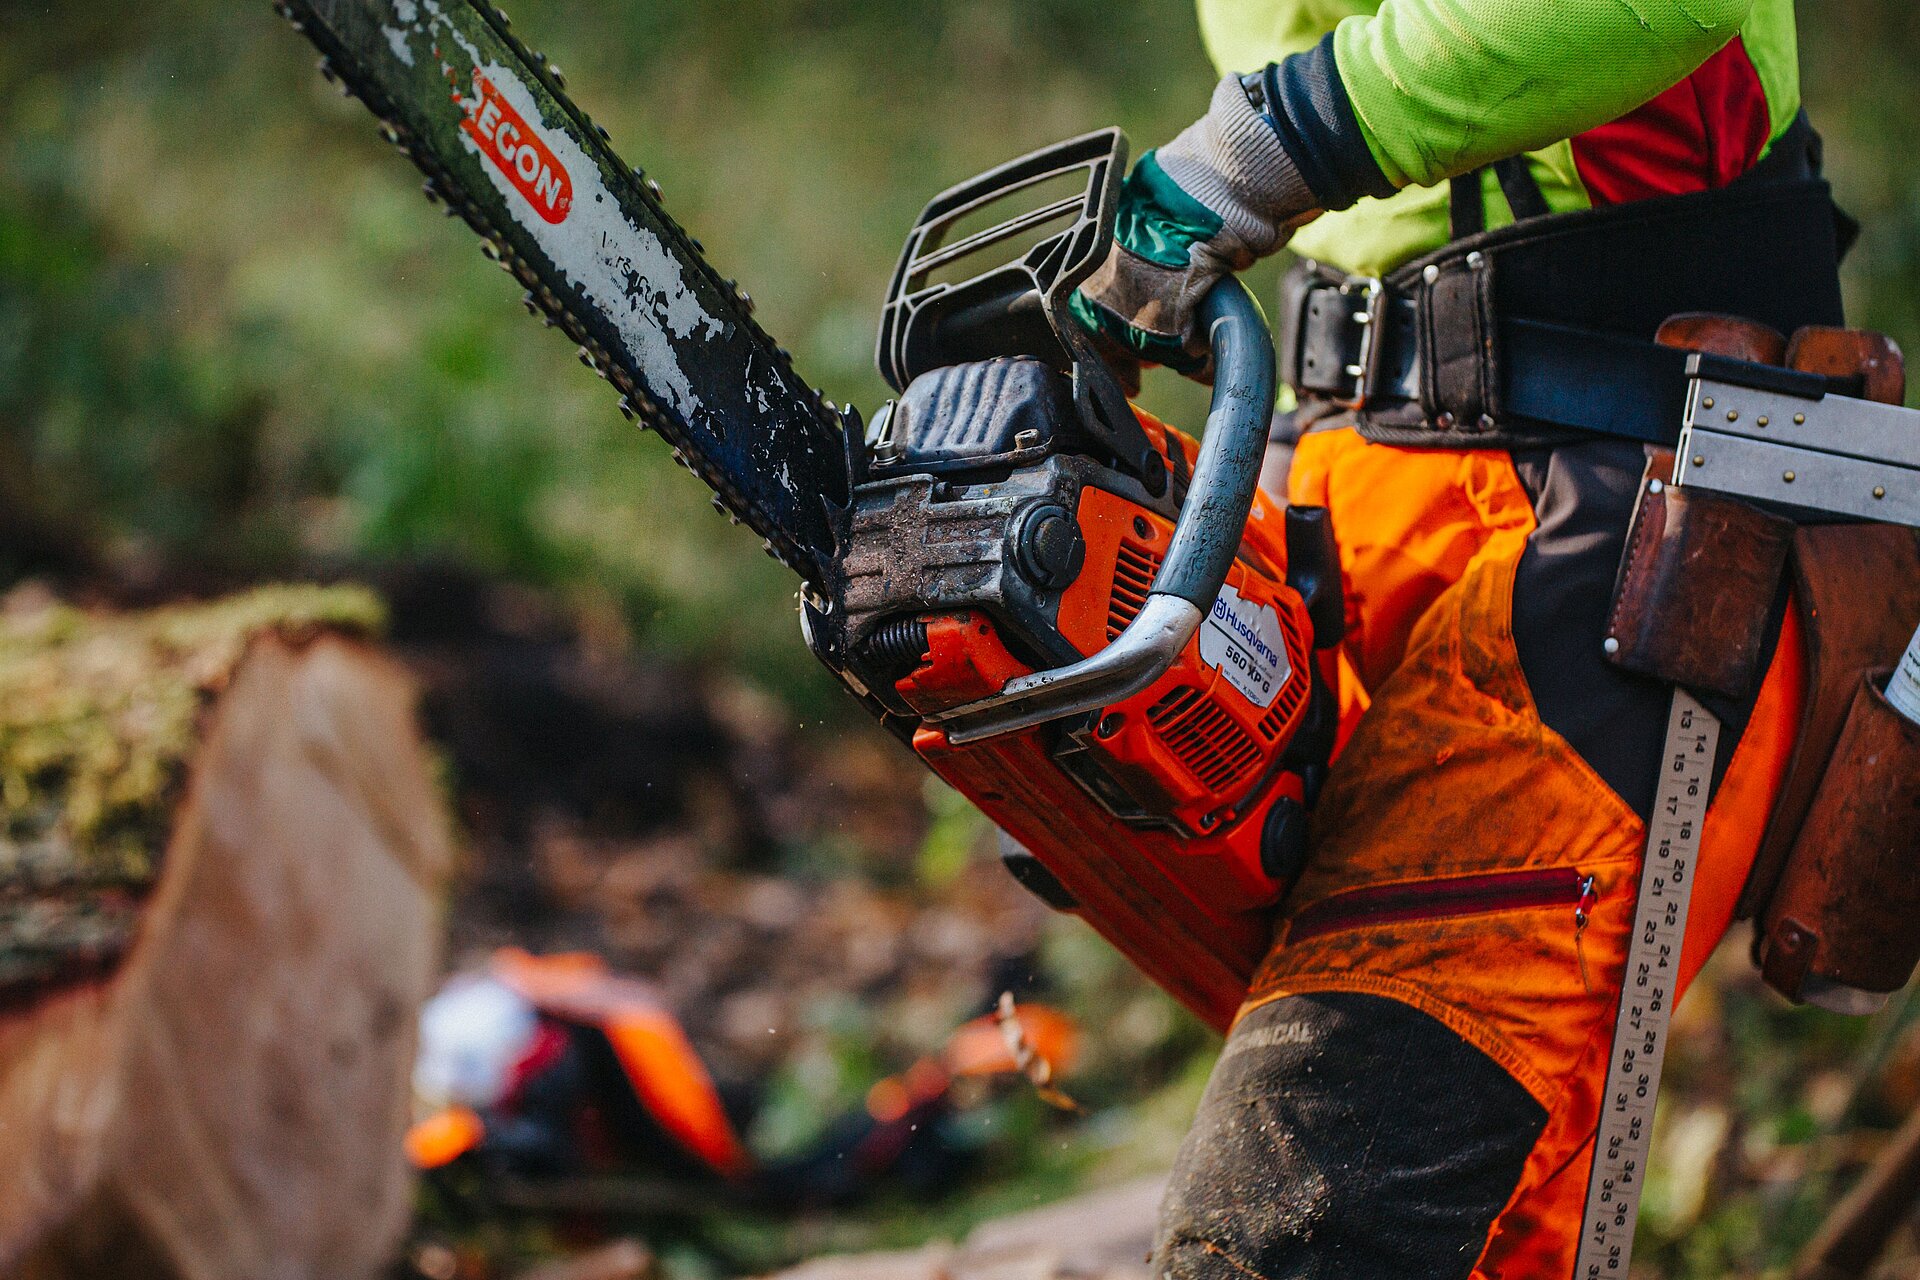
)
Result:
{"points": [[516, 150], [1245, 642]]}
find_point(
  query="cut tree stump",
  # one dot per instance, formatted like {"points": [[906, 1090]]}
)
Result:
{"points": [[220, 861]]}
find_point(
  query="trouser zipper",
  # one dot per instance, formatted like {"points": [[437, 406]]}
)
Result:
{"points": [[1452, 896]]}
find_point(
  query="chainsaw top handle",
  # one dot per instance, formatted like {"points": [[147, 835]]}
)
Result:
{"points": [[1206, 538], [957, 296]]}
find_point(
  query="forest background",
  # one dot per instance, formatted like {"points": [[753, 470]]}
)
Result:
{"points": [[235, 347]]}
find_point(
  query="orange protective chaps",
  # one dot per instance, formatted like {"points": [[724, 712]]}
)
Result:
{"points": [[1477, 846]]}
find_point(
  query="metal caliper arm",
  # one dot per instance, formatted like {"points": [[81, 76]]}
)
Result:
{"points": [[1205, 540]]}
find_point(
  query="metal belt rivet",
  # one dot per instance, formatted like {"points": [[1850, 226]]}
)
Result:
{"points": [[1787, 476], [1733, 415], [1799, 419], [1707, 403], [1879, 491], [1699, 460], [1612, 643], [1761, 420]]}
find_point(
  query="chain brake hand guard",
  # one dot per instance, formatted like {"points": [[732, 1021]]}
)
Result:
{"points": [[1019, 307]]}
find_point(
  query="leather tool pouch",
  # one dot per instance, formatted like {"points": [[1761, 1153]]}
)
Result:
{"points": [[1697, 587], [1842, 927], [1836, 886]]}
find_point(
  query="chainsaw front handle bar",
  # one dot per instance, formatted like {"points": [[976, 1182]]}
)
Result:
{"points": [[1205, 540]]}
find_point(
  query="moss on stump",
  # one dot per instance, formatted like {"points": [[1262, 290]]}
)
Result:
{"points": [[100, 716]]}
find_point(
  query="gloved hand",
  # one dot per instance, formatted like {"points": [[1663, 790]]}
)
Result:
{"points": [[1222, 194]]}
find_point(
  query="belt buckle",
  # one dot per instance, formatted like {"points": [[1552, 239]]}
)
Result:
{"points": [[1365, 366]]}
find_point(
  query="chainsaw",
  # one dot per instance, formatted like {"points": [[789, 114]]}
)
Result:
{"points": [[1098, 630]]}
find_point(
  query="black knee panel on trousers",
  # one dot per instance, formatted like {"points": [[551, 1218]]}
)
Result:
{"points": [[1344, 1136], [1583, 497]]}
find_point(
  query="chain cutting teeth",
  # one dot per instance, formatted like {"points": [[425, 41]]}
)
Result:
{"points": [[538, 297]]}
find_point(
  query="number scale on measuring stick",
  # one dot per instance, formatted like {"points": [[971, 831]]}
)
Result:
{"points": [[1647, 992]]}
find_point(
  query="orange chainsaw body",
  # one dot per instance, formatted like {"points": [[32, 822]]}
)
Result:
{"points": [[1151, 819], [1013, 518]]}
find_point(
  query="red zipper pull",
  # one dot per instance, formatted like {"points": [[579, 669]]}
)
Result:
{"points": [[1583, 912]]}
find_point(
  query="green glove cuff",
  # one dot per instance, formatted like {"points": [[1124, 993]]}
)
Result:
{"points": [[1153, 348], [1158, 223], [1158, 220]]}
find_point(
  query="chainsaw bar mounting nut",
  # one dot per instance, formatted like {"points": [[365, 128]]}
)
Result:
{"points": [[1048, 549]]}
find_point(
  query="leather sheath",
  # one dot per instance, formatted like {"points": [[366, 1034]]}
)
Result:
{"points": [[1697, 588], [1857, 587], [1847, 908]]}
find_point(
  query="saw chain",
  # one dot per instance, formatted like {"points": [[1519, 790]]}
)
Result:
{"points": [[502, 146]]}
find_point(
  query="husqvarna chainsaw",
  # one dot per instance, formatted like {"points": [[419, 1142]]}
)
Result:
{"points": [[1099, 631]]}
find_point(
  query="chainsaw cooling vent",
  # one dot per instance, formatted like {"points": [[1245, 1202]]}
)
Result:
{"points": [[1133, 573], [1204, 738], [1293, 692]]}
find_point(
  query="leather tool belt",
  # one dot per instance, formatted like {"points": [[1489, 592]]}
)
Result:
{"points": [[1543, 329], [1828, 491]]}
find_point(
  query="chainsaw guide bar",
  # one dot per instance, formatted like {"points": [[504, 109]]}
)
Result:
{"points": [[489, 124]]}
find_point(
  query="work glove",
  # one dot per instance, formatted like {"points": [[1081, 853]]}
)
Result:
{"points": [[1221, 195]]}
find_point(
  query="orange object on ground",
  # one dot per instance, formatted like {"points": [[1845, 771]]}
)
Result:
{"points": [[1467, 860], [444, 1137], [980, 1047], [661, 1065]]}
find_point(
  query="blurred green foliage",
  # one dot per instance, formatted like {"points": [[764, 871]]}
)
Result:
{"points": [[231, 333]]}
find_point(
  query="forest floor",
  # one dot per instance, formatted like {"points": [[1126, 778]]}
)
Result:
{"points": [[817, 910]]}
